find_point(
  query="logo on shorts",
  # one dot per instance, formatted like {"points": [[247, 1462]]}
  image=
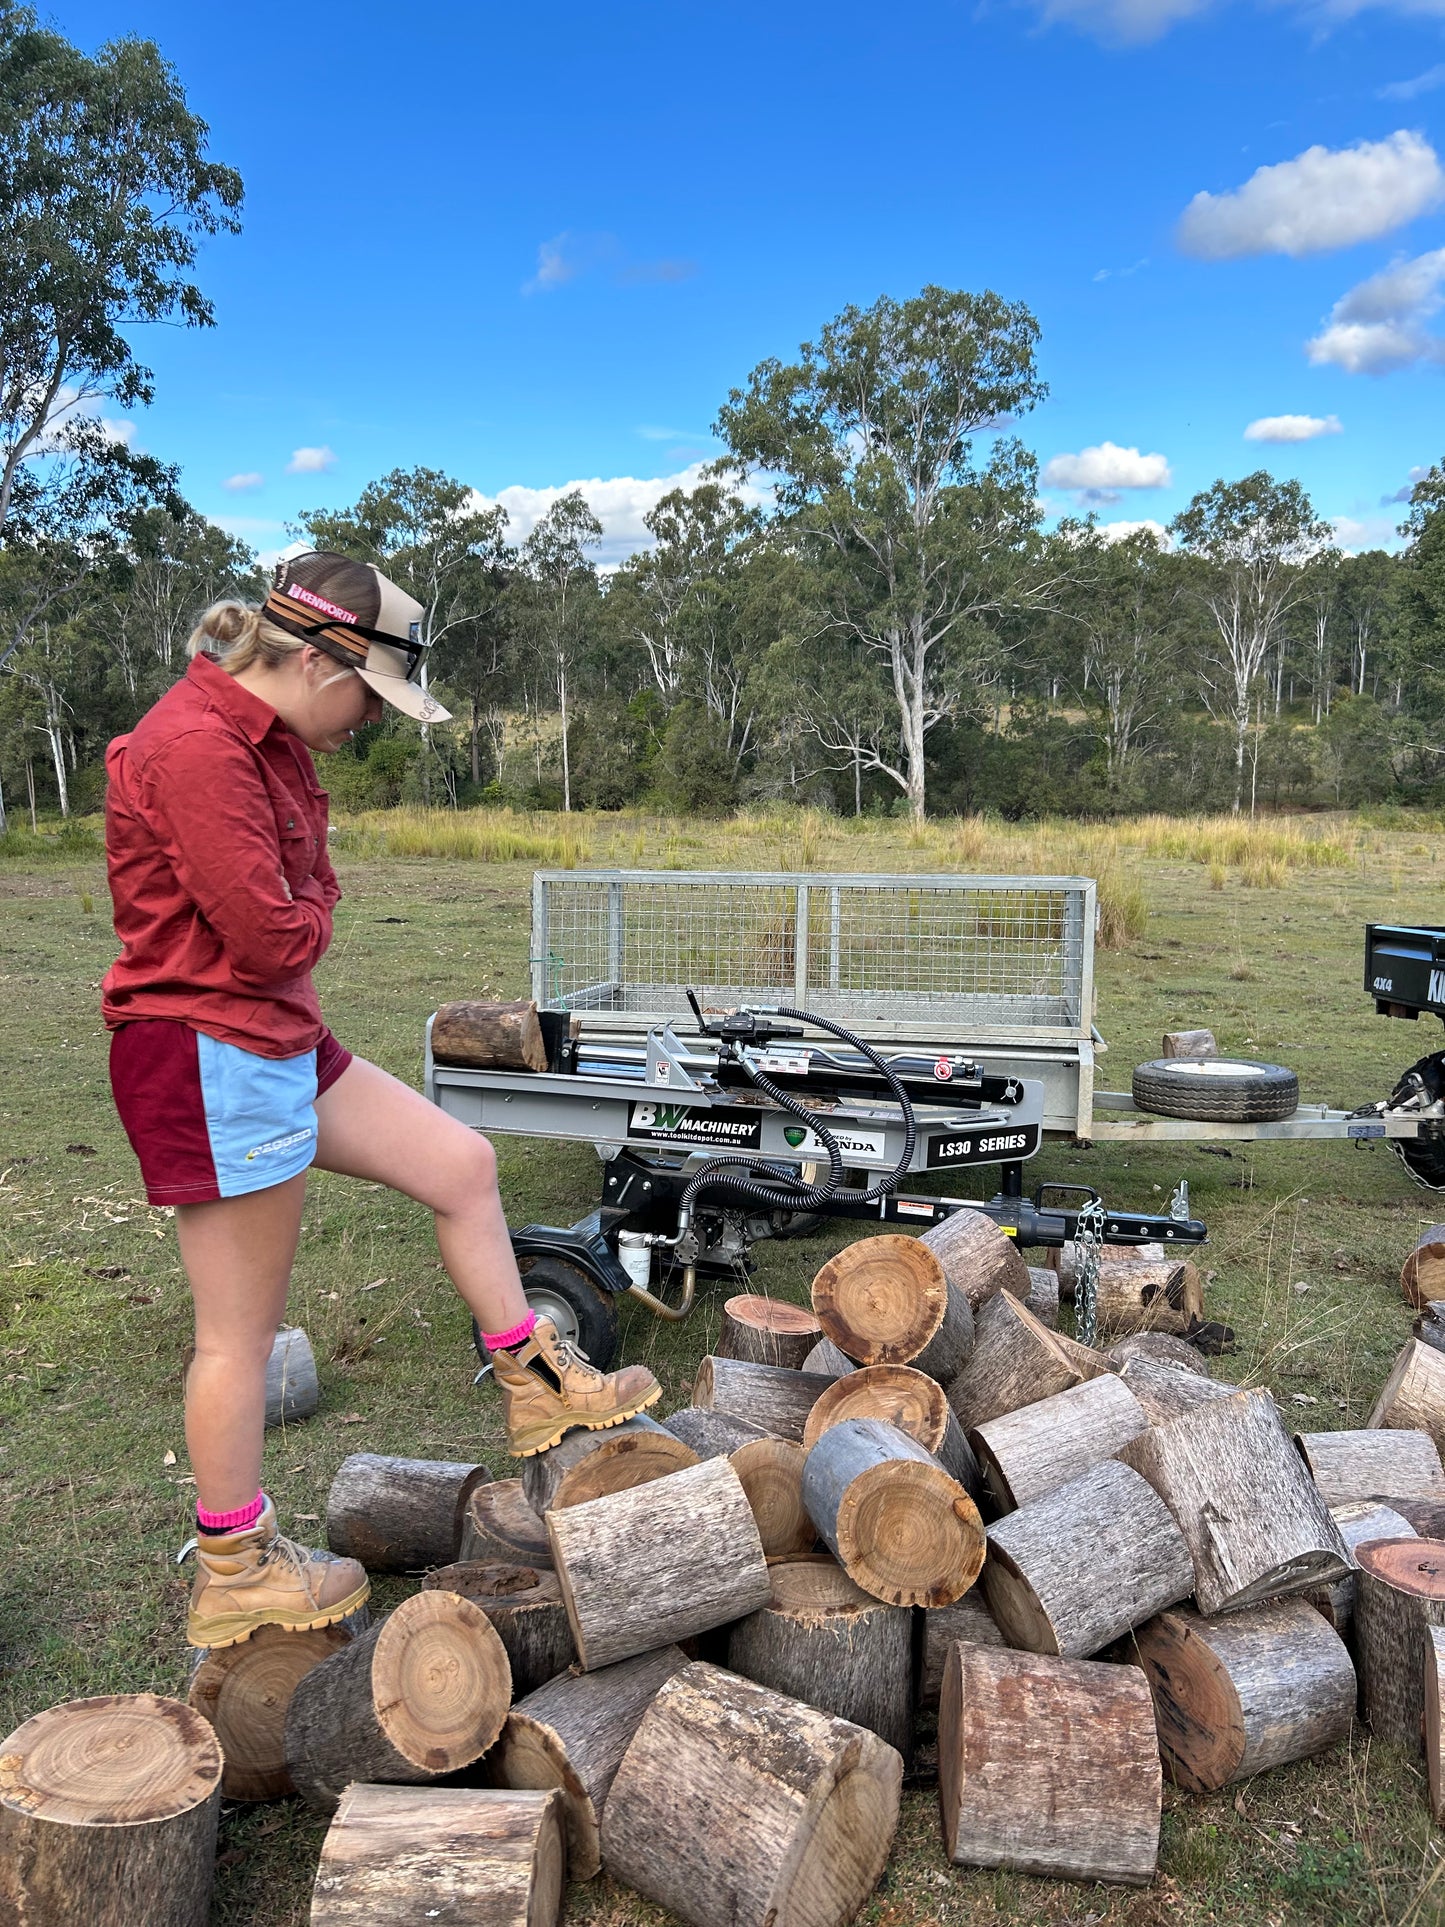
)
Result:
{"points": [[280, 1144]]}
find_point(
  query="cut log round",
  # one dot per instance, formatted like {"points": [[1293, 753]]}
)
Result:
{"points": [[1252, 1516], [825, 1641], [1160, 1348], [1413, 1399], [292, 1390], [1165, 1391], [827, 1360], [900, 1527], [585, 1465], [653, 1566], [1422, 1277], [524, 1606], [1247, 1691], [967, 1618], [769, 1395], [399, 1515], [767, 1331], [1359, 1524], [498, 1037], [771, 1471], [978, 1258], [245, 1691], [1048, 1766], [1190, 1043], [1016, 1360], [712, 1435], [418, 1696], [572, 1733], [1029, 1452], [1134, 1297], [1085, 1563], [410, 1856], [1043, 1298], [1400, 1595], [1434, 1725], [882, 1299], [1348, 1466], [897, 1394], [501, 1529], [736, 1807], [108, 1811]]}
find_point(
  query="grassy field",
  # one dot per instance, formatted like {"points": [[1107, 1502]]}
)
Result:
{"points": [[1257, 934]]}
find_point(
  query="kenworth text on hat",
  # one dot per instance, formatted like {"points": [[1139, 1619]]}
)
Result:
{"points": [[352, 613]]}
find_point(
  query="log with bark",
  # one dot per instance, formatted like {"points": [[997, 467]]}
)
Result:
{"points": [[767, 1331], [1015, 1361], [712, 1435], [1422, 1277], [771, 1471], [1167, 1391], [1190, 1043], [1132, 1297], [409, 1856], [1043, 1298], [1064, 1260], [653, 1566], [524, 1606], [769, 1395], [978, 1258], [1160, 1348], [1252, 1516], [1348, 1466], [495, 1037], [400, 1515], [826, 1359], [886, 1300], [1073, 1570], [967, 1618], [825, 1641], [108, 1811], [292, 1390], [500, 1528], [900, 1527], [245, 1691], [1413, 1398], [1028, 1452], [572, 1733], [736, 1807], [1399, 1596], [1246, 1691], [1425, 1517], [1430, 1325], [585, 1465], [420, 1695], [1359, 1523], [1434, 1726], [1048, 1766]]}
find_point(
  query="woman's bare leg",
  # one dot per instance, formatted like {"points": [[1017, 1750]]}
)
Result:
{"points": [[373, 1126], [238, 1254]]}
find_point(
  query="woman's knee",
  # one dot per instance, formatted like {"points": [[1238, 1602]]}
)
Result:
{"points": [[466, 1173]]}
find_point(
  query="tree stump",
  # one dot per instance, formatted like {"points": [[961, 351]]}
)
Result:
{"points": [[653, 1566], [524, 1607], [410, 1856], [1400, 1595], [1048, 1766], [712, 1435], [1413, 1399], [1043, 1298], [489, 1037], [978, 1258], [1160, 1348], [1164, 1297], [399, 1515], [1029, 1452], [420, 1695], [1235, 1695], [967, 1618], [887, 1301], [769, 1395], [572, 1733], [771, 1472], [1434, 1726], [736, 1807], [1348, 1466], [826, 1359], [1251, 1515], [767, 1331], [501, 1529], [1015, 1361], [1358, 1524], [1422, 1277], [1166, 1391], [824, 1641], [900, 1527], [1073, 1570], [292, 1389], [245, 1691], [585, 1465], [108, 1811]]}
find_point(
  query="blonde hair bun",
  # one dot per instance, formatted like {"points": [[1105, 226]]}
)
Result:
{"points": [[240, 636]]}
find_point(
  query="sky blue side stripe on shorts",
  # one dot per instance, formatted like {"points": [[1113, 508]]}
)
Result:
{"points": [[260, 1115]]}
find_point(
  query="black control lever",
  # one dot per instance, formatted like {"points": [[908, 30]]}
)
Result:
{"points": [[741, 1026]]}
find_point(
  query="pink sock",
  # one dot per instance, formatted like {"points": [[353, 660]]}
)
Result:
{"points": [[231, 1521], [505, 1341]]}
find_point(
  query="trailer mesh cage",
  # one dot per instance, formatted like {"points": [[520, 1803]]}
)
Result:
{"points": [[949, 954]]}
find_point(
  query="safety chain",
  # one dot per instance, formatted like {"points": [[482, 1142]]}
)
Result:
{"points": [[1088, 1242]]}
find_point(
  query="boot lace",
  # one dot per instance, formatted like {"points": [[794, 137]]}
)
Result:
{"points": [[564, 1356], [285, 1552]]}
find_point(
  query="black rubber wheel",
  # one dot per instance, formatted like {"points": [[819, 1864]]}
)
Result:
{"points": [[1424, 1159], [584, 1314], [1216, 1090]]}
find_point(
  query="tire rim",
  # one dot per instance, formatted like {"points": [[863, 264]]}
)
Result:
{"points": [[549, 1303], [1213, 1067]]}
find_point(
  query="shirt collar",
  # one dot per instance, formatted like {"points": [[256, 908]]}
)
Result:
{"points": [[223, 692]]}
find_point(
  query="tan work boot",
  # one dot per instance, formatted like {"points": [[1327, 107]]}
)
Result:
{"points": [[256, 1578], [550, 1389]]}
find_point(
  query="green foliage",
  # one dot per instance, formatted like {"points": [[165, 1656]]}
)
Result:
{"points": [[693, 772]]}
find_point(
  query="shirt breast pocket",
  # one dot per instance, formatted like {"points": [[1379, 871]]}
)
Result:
{"points": [[298, 850]]}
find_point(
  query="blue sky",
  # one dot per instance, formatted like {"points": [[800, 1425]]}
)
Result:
{"points": [[537, 246]]}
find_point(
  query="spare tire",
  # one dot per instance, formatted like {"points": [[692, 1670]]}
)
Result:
{"points": [[1216, 1090]]}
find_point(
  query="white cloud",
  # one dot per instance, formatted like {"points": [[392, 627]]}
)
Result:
{"points": [[619, 502], [247, 479], [1425, 83], [1131, 22], [1372, 532], [1379, 326], [1292, 428], [1121, 531], [569, 255], [310, 461], [1406, 491], [1099, 473], [70, 405], [1322, 199]]}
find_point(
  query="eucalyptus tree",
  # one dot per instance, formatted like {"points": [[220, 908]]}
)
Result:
{"points": [[555, 595], [1124, 607]]}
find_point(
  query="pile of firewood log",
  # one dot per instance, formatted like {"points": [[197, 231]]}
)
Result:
{"points": [[919, 1531]]}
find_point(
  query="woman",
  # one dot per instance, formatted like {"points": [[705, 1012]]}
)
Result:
{"points": [[230, 1085]]}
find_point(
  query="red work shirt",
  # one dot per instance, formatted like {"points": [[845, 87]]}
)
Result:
{"points": [[220, 881]]}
